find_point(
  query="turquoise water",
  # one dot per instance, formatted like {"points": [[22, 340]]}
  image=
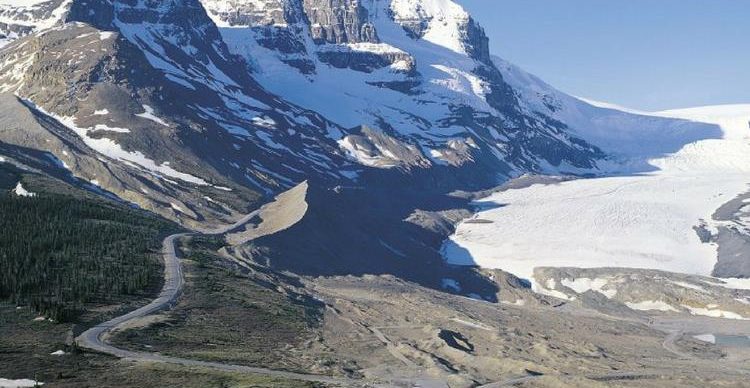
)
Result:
{"points": [[732, 340]]}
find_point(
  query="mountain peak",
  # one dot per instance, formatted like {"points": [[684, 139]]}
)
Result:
{"points": [[444, 23]]}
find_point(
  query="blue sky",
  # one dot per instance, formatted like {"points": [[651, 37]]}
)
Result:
{"points": [[646, 54]]}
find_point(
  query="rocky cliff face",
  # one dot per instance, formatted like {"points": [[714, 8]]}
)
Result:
{"points": [[339, 21]]}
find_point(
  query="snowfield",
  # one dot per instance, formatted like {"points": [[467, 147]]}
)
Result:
{"points": [[644, 220], [20, 383]]}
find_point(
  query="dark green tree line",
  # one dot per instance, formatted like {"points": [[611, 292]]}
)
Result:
{"points": [[59, 252]]}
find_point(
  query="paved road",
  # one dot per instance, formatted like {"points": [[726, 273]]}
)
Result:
{"points": [[173, 281], [95, 338]]}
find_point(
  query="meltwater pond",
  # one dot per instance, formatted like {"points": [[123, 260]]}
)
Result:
{"points": [[733, 341]]}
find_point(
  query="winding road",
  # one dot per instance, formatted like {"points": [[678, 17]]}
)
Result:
{"points": [[95, 338]]}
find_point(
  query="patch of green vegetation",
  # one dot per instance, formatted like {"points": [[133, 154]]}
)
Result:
{"points": [[231, 314], [60, 252], [25, 353], [9, 176]]}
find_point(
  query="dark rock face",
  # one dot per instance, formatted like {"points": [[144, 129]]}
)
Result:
{"points": [[414, 27], [14, 29], [30, 14], [477, 42], [733, 254], [339, 21], [98, 13], [733, 240], [364, 61]]}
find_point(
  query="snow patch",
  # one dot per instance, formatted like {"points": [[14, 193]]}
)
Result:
{"points": [[20, 383], [104, 127], [549, 289], [113, 150], [149, 115], [362, 156], [445, 20], [715, 313], [265, 122], [176, 208], [710, 338], [22, 192], [582, 285], [732, 283], [471, 324], [647, 305], [689, 286]]}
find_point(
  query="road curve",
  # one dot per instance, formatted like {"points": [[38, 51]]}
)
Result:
{"points": [[95, 338], [670, 346]]}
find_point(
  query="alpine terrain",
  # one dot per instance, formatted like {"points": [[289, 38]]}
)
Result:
{"points": [[350, 193]]}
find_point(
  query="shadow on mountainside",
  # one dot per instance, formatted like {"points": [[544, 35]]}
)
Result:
{"points": [[632, 140], [375, 230]]}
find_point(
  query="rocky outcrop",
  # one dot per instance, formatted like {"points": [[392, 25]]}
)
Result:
{"points": [[255, 13], [367, 58], [733, 238], [339, 21], [645, 290], [378, 149]]}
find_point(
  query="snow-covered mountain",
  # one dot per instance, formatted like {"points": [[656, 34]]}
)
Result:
{"points": [[629, 137], [198, 108], [418, 72]]}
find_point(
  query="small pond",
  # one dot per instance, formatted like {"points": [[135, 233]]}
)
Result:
{"points": [[735, 341]]}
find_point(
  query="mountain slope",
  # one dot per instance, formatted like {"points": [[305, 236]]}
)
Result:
{"points": [[410, 89], [203, 110], [152, 88], [22, 17], [630, 138], [417, 71]]}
